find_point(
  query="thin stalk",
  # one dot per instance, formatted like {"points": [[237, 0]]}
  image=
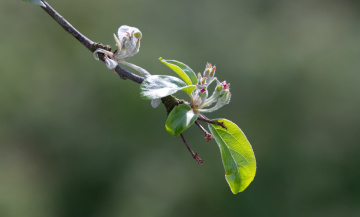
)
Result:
{"points": [[208, 136], [194, 155], [69, 28], [142, 71], [205, 119]]}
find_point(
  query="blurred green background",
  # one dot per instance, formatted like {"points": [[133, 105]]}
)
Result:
{"points": [[75, 140]]}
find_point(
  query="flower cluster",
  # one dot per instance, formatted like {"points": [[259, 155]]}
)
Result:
{"points": [[199, 97], [128, 43]]}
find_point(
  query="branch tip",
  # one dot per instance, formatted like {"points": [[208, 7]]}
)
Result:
{"points": [[208, 136], [198, 159], [194, 155]]}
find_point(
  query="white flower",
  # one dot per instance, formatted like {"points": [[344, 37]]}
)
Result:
{"points": [[128, 43]]}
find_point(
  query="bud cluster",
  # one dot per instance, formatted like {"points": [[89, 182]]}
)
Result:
{"points": [[221, 95]]}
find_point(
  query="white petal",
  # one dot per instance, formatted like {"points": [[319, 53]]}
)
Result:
{"points": [[155, 102], [99, 50], [118, 42], [124, 29], [142, 71], [111, 64]]}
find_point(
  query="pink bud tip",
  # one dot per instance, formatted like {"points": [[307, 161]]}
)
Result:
{"points": [[202, 90], [225, 86]]}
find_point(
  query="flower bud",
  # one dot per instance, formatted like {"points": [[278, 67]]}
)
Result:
{"points": [[225, 97], [212, 73], [199, 78], [219, 88], [224, 94], [203, 80], [209, 73], [207, 70], [203, 94], [199, 96], [128, 42]]}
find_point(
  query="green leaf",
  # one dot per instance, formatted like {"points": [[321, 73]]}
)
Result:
{"points": [[237, 155], [158, 86], [184, 71], [37, 2], [179, 119]]}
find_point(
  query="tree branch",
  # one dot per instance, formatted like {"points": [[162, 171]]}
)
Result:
{"points": [[208, 136], [194, 155], [169, 101], [205, 119], [69, 28], [92, 46]]}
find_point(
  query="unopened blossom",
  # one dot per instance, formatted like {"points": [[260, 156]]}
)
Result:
{"points": [[128, 43], [209, 73], [199, 96]]}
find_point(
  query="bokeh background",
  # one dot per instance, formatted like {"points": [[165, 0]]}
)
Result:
{"points": [[75, 140]]}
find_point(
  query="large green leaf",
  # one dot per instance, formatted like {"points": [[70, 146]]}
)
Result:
{"points": [[184, 71], [237, 155], [179, 119], [37, 2], [158, 86]]}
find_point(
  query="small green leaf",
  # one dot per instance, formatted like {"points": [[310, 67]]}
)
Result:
{"points": [[37, 2], [179, 119], [184, 71], [158, 86], [237, 155]]}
